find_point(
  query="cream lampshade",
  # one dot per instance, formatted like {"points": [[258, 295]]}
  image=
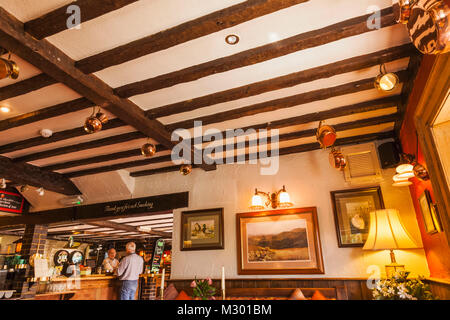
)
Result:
{"points": [[386, 232]]}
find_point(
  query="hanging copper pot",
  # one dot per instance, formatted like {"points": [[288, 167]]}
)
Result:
{"points": [[337, 160], [92, 125], [429, 26], [403, 10], [102, 117], [8, 69], [148, 150], [326, 135], [186, 169]]}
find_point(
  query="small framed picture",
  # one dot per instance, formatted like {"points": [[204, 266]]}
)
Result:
{"points": [[352, 214], [429, 213], [202, 230]]}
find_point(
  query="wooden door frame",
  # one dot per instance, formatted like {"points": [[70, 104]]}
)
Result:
{"points": [[433, 97]]}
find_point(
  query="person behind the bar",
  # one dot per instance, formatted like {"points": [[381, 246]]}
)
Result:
{"points": [[110, 264], [130, 267]]}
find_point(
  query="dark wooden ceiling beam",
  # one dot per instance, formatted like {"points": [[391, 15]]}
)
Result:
{"points": [[84, 146], [290, 80], [284, 137], [124, 227], [46, 113], [119, 166], [52, 61], [27, 174], [317, 116], [288, 150], [99, 159], [56, 20], [57, 136], [282, 103], [26, 86], [211, 23], [413, 69], [277, 49]]}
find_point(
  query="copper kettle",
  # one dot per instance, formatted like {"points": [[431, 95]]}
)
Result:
{"points": [[326, 135], [337, 160]]}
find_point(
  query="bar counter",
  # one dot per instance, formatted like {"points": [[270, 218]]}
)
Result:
{"points": [[92, 287]]}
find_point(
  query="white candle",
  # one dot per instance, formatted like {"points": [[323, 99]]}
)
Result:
{"points": [[223, 278], [163, 278]]}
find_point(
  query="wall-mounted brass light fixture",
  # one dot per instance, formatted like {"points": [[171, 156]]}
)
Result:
{"points": [[186, 169], [386, 81], [95, 122], [8, 68], [279, 199]]}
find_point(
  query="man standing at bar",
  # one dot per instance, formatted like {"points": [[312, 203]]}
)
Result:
{"points": [[128, 271], [110, 264]]}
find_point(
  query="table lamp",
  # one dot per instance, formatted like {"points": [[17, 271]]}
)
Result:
{"points": [[386, 232]]}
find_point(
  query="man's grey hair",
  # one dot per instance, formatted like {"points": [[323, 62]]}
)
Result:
{"points": [[131, 246]]}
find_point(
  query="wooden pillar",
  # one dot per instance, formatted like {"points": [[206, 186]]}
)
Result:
{"points": [[34, 240]]}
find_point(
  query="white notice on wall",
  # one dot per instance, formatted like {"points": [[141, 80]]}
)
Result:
{"points": [[40, 268]]}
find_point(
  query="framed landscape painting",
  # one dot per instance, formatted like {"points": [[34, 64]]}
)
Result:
{"points": [[279, 242], [202, 230], [352, 214]]}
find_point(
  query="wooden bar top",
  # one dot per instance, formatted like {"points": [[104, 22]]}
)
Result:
{"points": [[85, 278]]}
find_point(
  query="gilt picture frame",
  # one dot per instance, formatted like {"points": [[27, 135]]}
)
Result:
{"points": [[429, 213], [279, 242], [202, 230], [352, 209]]}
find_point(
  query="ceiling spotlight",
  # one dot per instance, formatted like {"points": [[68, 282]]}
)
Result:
{"points": [[148, 150], [3, 184], [95, 122], [5, 109], [232, 39], [8, 68], [186, 169], [40, 191], [386, 81]]}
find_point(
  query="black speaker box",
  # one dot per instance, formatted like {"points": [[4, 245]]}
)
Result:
{"points": [[389, 155]]}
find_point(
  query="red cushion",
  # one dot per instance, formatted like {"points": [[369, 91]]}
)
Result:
{"points": [[183, 296], [170, 293], [318, 296]]}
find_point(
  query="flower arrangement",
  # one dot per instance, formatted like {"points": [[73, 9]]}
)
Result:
{"points": [[398, 287], [203, 289]]}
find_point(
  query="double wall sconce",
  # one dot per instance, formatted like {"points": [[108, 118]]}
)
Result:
{"points": [[409, 168], [280, 199], [386, 81]]}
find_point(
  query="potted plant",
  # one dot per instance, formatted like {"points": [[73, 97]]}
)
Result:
{"points": [[203, 289], [398, 287]]}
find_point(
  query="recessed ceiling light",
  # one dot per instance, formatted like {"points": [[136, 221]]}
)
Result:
{"points": [[232, 39], [5, 109]]}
